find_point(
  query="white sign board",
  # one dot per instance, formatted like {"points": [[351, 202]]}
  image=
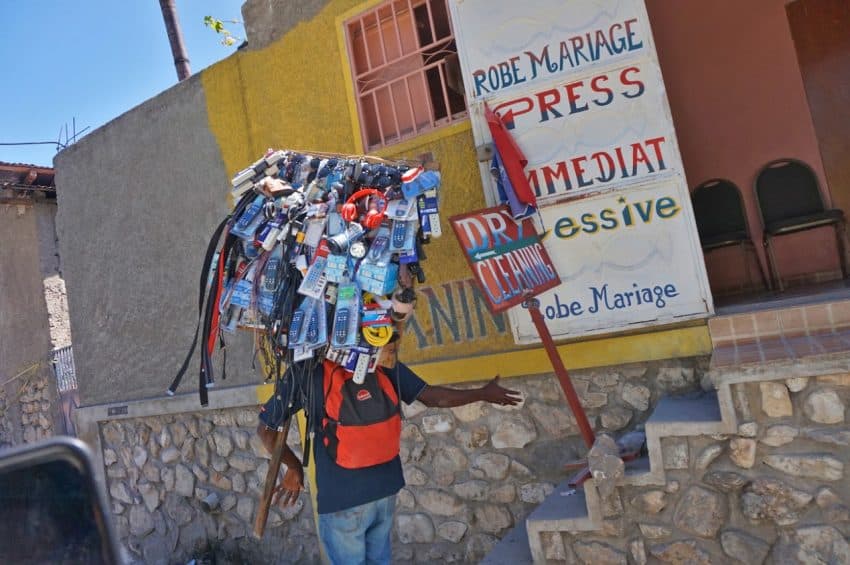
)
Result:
{"points": [[621, 262], [578, 85]]}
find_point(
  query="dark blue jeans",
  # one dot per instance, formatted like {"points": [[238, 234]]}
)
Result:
{"points": [[359, 535]]}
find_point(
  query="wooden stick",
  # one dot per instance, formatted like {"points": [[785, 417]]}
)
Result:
{"points": [[271, 482]]}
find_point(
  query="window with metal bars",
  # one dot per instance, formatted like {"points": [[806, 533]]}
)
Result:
{"points": [[405, 68]]}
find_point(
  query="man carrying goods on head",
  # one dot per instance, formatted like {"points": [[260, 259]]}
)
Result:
{"points": [[356, 503], [317, 259]]}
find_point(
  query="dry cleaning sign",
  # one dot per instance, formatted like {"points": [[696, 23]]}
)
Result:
{"points": [[506, 256]]}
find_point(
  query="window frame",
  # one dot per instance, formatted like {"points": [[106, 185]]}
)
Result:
{"points": [[453, 108]]}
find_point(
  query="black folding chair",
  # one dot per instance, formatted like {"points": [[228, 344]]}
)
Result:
{"points": [[721, 220], [790, 201]]}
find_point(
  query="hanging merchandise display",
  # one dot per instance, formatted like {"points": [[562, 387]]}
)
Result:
{"points": [[317, 258]]}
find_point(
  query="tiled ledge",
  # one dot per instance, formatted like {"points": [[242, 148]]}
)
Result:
{"points": [[781, 347], [747, 330]]}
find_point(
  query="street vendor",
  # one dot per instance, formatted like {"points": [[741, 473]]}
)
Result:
{"points": [[355, 505]]}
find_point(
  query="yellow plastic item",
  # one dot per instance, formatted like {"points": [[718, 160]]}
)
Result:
{"points": [[378, 336]]}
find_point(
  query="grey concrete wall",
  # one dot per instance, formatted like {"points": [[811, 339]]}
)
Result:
{"points": [[27, 259], [138, 201], [265, 20]]}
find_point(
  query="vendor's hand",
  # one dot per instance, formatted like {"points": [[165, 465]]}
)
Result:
{"points": [[493, 393], [290, 487]]}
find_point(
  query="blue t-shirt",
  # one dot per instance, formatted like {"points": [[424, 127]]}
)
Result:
{"points": [[339, 488]]}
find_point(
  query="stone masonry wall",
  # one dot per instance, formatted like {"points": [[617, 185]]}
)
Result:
{"points": [[159, 471], [472, 472], [37, 406], [775, 492], [27, 407]]}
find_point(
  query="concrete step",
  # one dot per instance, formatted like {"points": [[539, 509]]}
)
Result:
{"points": [[691, 410], [565, 510], [692, 414], [512, 549], [568, 510], [637, 467]]}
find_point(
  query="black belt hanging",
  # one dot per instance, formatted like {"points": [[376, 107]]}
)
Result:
{"points": [[202, 295], [310, 403]]}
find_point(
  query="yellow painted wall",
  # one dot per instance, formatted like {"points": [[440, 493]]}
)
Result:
{"points": [[296, 94]]}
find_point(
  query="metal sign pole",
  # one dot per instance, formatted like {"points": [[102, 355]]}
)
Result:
{"points": [[533, 307]]}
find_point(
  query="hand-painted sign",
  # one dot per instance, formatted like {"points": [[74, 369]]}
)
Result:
{"points": [[510, 45], [505, 255], [579, 87], [620, 262], [591, 133]]}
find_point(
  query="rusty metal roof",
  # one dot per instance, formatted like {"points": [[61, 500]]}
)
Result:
{"points": [[24, 176]]}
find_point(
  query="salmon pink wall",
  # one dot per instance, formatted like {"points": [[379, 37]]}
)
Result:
{"points": [[738, 101]]}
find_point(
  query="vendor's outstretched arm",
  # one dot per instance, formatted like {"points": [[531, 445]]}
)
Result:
{"points": [[445, 397]]}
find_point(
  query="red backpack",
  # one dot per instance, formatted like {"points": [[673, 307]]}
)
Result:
{"points": [[362, 422]]}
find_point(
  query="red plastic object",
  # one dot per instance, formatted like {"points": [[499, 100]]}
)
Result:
{"points": [[373, 218]]}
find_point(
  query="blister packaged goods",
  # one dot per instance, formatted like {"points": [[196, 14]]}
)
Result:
{"points": [[310, 239]]}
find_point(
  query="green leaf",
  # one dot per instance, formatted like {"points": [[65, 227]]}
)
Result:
{"points": [[218, 26]]}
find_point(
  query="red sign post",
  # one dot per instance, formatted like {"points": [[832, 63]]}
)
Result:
{"points": [[511, 265]]}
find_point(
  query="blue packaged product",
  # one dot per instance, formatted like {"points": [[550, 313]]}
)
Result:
{"points": [[408, 257], [419, 183], [313, 284], [300, 318], [249, 220], [398, 236], [270, 282], [265, 304], [317, 330], [380, 245], [242, 294], [224, 302], [400, 209], [377, 279], [429, 216], [272, 272], [335, 224], [403, 236], [347, 316], [213, 267], [336, 268], [249, 250]]}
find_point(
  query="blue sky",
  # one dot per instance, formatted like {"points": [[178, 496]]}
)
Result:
{"points": [[93, 60]]}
